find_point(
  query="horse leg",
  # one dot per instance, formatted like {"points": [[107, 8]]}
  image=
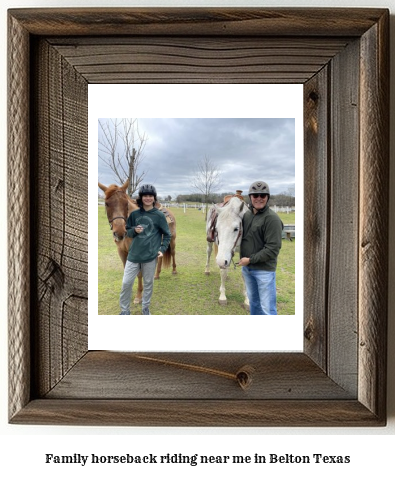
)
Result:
{"points": [[222, 297], [173, 255], [139, 296], [158, 268], [123, 256], [246, 303], [209, 250]]}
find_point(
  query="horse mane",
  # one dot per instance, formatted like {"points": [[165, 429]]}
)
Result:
{"points": [[113, 188], [233, 206]]}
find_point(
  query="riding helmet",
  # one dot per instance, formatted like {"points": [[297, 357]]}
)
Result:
{"points": [[259, 187], [147, 189]]}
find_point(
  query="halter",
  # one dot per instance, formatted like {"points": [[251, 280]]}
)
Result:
{"points": [[117, 238], [113, 219], [212, 235], [215, 237]]}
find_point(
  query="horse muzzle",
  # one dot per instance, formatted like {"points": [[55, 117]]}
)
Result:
{"points": [[224, 264], [224, 261], [117, 237]]}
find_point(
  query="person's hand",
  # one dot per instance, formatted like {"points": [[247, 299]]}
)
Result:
{"points": [[160, 254], [244, 261], [139, 229]]}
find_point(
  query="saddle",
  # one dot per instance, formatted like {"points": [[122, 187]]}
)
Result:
{"points": [[165, 211], [212, 231]]}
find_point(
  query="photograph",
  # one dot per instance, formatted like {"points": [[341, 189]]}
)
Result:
{"points": [[192, 169], [196, 215]]}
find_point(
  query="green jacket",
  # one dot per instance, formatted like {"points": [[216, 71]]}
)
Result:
{"points": [[154, 238], [261, 240]]}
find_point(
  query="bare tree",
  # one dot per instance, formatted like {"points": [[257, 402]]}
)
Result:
{"points": [[121, 146], [291, 191], [206, 179]]}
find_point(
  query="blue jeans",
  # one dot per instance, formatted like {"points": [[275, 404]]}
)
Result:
{"points": [[261, 291], [130, 273]]}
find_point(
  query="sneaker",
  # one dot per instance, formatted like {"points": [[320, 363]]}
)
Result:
{"points": [[124, 313], [146, 311]]}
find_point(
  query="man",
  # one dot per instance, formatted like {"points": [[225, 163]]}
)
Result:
{"points": [[151, 237], [260, 246]]}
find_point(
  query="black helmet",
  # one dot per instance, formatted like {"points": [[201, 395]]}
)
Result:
{"points": [[147, 189]]}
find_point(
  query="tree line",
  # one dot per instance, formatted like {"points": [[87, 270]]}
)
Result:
{"points": [[281, 200]]}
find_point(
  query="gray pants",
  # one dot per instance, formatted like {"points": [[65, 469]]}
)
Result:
{"points": [[130, 273]]}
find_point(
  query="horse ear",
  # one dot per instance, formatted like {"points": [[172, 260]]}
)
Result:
{"points": [[125, 185], [102, 187]]}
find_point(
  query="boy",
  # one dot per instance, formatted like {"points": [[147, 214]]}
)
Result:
{"points": [[151, 237]]}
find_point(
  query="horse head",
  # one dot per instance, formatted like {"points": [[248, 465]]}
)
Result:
{"points": [[229, 230], [117, 204]]}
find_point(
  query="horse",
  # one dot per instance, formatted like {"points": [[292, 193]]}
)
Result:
{"points": [[169, 257], [119, 205], [224, 229]]}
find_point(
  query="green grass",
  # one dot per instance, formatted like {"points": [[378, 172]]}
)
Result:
{"points": [[190, 292]]}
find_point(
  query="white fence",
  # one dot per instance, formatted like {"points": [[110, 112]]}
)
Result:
{"points": [[286, 209], [202, 207]]}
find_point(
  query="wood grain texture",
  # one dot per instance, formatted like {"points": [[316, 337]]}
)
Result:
{"points": [[374, 224], [341, 56], [255, 22], [343, 219], [188, 60], [196, 376], [316, 213], [61, 199], [202, 413], [18, 206]]}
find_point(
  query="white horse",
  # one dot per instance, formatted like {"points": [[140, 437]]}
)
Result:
{"points": [[224, 228]]}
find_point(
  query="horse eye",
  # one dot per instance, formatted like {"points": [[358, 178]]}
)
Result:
{"points": [[236, 229]]}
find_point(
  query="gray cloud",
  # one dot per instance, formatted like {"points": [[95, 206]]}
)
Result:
{"points": [[243, 149]]}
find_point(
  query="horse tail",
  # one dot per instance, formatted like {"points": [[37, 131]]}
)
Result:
{"points": [[166, 259]]}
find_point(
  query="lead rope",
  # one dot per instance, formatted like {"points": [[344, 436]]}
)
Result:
{"points": [[234, 247]]}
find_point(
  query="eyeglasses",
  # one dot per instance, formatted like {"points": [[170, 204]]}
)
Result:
{"points": [[256, 195]]}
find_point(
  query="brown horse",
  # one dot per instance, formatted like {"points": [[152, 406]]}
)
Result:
{"points": [[169, 257], [118, 208]]}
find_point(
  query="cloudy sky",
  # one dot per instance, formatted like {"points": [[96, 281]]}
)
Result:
{"points": [[243, 149]]}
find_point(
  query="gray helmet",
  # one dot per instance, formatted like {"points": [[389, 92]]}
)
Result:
{"points": [[259, 187], [147, 189]]}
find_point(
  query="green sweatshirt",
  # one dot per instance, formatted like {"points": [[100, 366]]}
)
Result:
{"points": [[261, 240], [146, 245]]}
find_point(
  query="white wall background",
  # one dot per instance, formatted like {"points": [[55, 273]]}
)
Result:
{"points": [[23, 448]]}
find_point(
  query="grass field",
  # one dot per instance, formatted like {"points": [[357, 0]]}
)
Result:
{"points": [[190, 292]]}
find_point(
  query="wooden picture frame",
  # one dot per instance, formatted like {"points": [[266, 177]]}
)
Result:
{"points": [[342, 58]]}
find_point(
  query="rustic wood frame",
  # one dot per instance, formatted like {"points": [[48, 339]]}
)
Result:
{"points": [[342, 58]]}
